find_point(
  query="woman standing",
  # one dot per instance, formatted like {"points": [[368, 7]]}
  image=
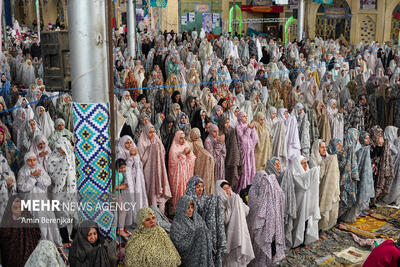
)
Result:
{"points": [[209, 208], [191, 236], [382, 163], [131, 83], [239, 247], [65, 111], [306, 183], [394, 143], [266, 220], [41, 149], [27, 135], [201, 121], [134, 172], [9, 150], [324, 126], [263, 149], [44, 120], [329, 188], [60, 165], [349, 176], [33, 181], [18, 126], [232, 159], [152, 154], [180, 166], [248, 139], [215, 144], [336, 119], [204, 164], [59, 132], [129, 109]]}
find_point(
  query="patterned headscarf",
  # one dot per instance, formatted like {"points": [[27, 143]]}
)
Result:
{"points": [[352, 138], [209, 208], [376, 132], [363, 135], [141, 216], [191, 236], [332, 148], [266, 218], [271, 167]]}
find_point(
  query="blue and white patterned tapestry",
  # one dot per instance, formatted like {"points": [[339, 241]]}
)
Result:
{"points": [[93, 156]]}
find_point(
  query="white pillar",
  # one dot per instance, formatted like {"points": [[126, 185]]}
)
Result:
{"points": [[300, 21], [88, 51], [89, 44], [38, 18], [131, 13]]}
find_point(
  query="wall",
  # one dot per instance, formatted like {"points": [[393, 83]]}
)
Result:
{"points": [[365, 24], [49, 11], [389, 7], [169, 16]]}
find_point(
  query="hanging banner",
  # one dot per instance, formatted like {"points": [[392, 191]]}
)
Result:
{"points": [[145, 8], [326, 2], [207, 22], [158, 3], [192, 16], [216, 20], [184, 19], [262, 9], [368, 4]]}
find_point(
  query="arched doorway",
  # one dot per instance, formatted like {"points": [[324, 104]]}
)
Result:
{"points": [[395, 26], [333, 21]]}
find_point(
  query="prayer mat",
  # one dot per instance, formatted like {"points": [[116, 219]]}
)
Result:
{"points": [[327, 260], [368, 224], [316, 254], [389, 231], [92, 156], [353, 255], [357, 231], [388, 212]]}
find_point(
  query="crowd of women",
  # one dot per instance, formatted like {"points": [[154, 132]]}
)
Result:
{"points": [[273, 143], [239, 148]]}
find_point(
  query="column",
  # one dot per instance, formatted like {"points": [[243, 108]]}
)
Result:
{"points": [[131, 13], [91, 109], [300, 21]]}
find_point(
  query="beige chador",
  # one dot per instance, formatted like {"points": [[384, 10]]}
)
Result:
{"points": [[263, 149], [329, 190], [204, 164]]}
